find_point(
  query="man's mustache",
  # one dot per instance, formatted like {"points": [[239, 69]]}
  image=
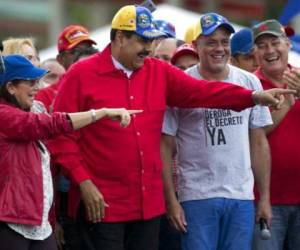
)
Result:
{"points": [[144, 53]]}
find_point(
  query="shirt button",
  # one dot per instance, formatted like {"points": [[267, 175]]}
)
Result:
{"points": [[134, 115], [143, 188], [143, 171], [138, 133], [131, 97], [141, 152]]}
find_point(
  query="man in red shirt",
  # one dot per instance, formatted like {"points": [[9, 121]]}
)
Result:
{"points": [[273, 46], [117, 172], [71, 41]]}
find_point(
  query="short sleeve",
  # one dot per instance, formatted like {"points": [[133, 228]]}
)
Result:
{"points": [[170, 123]]}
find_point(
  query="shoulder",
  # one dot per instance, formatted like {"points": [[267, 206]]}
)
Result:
{"points": [[161, 67], [244, 78], [154, 62], [7, 110], [89, 63], [193, 71]]}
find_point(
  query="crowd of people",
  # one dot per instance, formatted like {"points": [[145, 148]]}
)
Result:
{"points": [[205, 151]]}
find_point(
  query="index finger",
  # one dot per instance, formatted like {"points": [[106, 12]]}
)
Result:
{"points": [[286, 91], [134, 111]]}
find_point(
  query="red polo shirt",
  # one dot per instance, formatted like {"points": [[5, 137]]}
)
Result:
{"points": [[284, 144], [125, 163]]}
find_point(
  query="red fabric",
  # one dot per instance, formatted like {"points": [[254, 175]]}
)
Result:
{"points": [[47, 95], [125, 163], [21, 191], [284, 145]]}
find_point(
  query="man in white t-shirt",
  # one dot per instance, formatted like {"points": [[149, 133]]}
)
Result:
{"points": [[220, 153]]}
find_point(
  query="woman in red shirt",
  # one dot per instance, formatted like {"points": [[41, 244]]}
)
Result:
{"points": [[26, 190]]}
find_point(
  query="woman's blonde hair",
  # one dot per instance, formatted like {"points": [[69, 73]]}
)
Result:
{"points": [[14, 46]]}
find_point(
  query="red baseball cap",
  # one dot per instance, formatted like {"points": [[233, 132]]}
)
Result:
{"points": [[71, 36], [184, 49]]}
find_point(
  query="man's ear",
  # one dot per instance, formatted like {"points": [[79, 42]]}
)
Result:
{"points": [[58, 58], [119, 36]]}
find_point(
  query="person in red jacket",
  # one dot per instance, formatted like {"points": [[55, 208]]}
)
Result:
{"points": [[26, 190], [119, 182]]}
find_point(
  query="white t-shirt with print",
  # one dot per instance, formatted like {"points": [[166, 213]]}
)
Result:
{"points": [[213, 145]]}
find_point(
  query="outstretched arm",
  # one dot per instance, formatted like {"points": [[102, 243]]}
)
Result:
{"points": [[81, 119], [185, 91]]}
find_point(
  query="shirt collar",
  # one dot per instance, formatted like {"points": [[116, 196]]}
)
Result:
{"points": [[262, 77], [119, 66], [109, 64], [105, 62]]}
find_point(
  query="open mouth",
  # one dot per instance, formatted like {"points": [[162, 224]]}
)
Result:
{"points": [[219, 58], [142, 56], [272, 59]]}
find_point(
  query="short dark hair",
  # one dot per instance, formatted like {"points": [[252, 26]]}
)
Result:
{"points": [[127, 33]]}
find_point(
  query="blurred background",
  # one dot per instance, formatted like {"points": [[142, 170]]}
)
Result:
{"points": [[45, 19]]}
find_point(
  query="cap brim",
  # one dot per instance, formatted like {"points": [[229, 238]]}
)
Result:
{"points": [[268, 32], [182, 53], [71, 46], [246, 49], [150, 34], [32, 74], [212, 29], [168, 35]]}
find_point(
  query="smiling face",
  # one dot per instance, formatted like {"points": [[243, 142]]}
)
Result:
{"points": [[272, 53], [132, 50], [214, 51], [24, 92]]}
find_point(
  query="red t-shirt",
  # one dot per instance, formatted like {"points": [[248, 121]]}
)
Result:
{"points": [[284, 144]]}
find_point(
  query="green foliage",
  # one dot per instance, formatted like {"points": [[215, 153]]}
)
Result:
{"points": [[78, 12], [273, 9]]}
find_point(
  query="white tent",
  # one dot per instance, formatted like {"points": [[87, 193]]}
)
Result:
{"points": [[179, 17]]}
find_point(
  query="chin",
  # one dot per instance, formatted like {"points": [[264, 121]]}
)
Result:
{"points": [[218, 70], [27, 106]]}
